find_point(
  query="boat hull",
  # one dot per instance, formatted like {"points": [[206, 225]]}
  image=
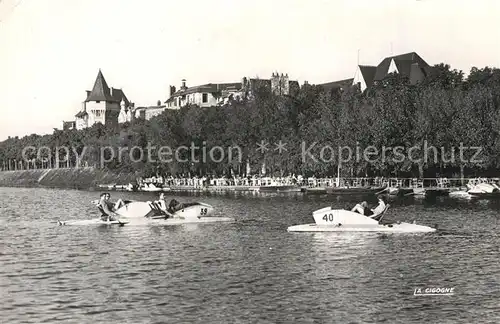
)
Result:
{"points": [[179, 221], [485, 195], [285, 188], [460, 194], [95, 222], [354, 191], [146, 221], [395, 228], [315, 191], [340, 220], [400, 191], [437, 192], [484, 191], [151, 188], [140, 209]]}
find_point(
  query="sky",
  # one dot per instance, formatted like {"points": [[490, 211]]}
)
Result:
{"points": [[52, 50]]}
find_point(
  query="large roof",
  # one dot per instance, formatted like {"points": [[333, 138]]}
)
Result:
{"points": [[101, 92], [403, 63], [336, 84], [368, 73], [118, 95], [210, 87], [81, 114], [409, 64]]}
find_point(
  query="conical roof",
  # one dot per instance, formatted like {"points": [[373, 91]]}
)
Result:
{"points": [[100, 91]]}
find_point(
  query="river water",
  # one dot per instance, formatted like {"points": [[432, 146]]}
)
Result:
{"points": [[251, 271]]}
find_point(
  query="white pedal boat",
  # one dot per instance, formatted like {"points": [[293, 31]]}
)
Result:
{"points": [[460, 194], [147, 212], [149, 187], [484, 191], [339, 220], [134, 209]]}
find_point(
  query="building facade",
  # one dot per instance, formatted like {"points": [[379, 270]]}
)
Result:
{"points": [[214, 94], [68, 125], [102, 105], [149, 111], [410, 65]]}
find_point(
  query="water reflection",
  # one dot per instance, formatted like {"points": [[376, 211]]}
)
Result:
{"points": [[341, 239], [249, 271]]}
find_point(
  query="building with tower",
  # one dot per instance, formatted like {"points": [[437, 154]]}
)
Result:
{"points": [[280, 84], [103, 105]]}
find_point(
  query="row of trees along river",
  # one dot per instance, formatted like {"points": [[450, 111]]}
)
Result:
{"points": [[445, 111]]}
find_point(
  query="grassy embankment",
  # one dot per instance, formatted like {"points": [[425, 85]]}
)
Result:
{"points": [[81, 178]]}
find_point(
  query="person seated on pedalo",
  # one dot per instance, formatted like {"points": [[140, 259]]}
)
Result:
{"points": [[106, 207], [162, 204], [363, 209], [160, 208]]}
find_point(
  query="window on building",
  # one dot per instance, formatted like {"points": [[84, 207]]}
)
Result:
{"points": [[97, 101], [204, 97]]}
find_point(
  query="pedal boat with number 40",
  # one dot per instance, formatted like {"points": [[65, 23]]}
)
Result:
{"points": [[340, 220]]}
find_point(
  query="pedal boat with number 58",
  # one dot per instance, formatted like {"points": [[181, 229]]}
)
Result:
{"points": [[340, 220], [136, 212]]}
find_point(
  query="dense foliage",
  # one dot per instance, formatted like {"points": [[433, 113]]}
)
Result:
{"points": [[446, 111]]}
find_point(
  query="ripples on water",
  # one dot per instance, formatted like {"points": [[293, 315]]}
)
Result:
{"points": [[252, 271]]}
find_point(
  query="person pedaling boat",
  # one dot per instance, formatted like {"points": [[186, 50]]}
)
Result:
{"points": [[107, 208], [174, 206], [169, 210], [363, 209]]}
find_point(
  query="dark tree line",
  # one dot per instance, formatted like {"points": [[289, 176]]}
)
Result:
{"points": [[446, 111]]}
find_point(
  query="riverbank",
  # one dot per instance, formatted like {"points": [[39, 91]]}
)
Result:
{"points": [[98, 179], [80, 178]]}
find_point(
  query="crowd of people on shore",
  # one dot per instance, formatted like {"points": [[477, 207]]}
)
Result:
{"points": [[257, 181], [301, 181]]}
